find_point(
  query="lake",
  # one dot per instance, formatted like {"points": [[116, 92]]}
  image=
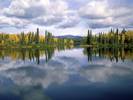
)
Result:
{"points": [[66, 74]]}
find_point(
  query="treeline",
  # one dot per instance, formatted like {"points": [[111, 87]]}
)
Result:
{"points": [[112, 38], [32, 39]]}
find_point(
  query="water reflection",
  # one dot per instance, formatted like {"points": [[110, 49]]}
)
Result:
{"points": [[57, 71], [114, 54], [13, 92], [31, 54]]}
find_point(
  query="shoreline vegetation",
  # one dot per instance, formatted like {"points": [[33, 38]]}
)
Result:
{"points": [[33, 40], [112, 39], [114, 45]]}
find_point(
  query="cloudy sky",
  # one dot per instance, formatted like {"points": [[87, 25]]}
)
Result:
{"points": [[63, 17]]}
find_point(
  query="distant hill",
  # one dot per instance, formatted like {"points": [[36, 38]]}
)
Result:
{"points": [[77, 39], [69, 37]]}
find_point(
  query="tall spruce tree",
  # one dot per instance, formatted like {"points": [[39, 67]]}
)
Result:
{"points": [[117, 36], [89, 37], [37, 36]]}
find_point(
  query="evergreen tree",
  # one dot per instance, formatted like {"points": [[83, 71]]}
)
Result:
{"points": [[89, 37], [123, 32], [117, 36], [22, 38], [37, 36], [46, 37]]}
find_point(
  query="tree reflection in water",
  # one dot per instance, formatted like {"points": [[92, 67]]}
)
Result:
{"points": [[114, 54], [31, 54]]}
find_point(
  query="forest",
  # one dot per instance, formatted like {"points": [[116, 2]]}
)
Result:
{"points": [[114, 38], [32, 39]]}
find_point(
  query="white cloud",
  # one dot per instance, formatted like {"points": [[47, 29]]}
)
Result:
{"points": [[69, 21], [35, 8], [95, 10], [99, 14], [66, 14], [14, 22]]}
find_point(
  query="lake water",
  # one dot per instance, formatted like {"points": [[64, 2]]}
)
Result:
{"points": [[68, 74]]}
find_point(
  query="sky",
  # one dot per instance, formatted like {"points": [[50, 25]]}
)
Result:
{"points": [[65, 17]]}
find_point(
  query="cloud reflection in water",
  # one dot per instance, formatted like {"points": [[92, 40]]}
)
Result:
{"points": [[59, 69]]}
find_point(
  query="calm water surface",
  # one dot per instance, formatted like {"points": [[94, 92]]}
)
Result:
{"points": [[71, 74]]}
